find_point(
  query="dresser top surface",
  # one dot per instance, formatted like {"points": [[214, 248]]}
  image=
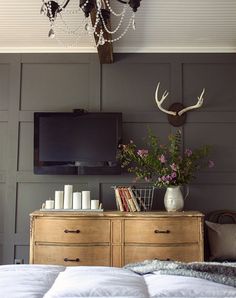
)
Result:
{"points": [[153, 214]]}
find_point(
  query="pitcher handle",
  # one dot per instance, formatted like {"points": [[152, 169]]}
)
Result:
{"points": [[187, 192]]}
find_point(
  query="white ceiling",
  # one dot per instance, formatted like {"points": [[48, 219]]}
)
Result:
{"points": [[161, 26]]}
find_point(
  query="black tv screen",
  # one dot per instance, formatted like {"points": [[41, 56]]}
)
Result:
{"points": [[76, 143]]}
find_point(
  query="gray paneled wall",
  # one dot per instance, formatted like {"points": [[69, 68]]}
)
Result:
{"points": [[47, 82]]}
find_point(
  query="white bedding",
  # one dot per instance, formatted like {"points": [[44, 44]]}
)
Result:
{"points": [[98, 282], [182, 286], [25, 281]]}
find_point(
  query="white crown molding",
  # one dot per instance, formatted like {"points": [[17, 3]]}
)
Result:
{"points": [[175, 50], [47, 50], [119, 50]]}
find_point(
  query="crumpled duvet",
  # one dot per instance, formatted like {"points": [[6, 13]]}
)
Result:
{"points": [[224, 273], [45, 281]]}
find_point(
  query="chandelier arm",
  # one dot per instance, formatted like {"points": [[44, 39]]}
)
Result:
{"points": [[64, 5], [124, 2]]}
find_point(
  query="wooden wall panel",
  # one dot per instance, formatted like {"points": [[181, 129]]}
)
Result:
{"points": [[26, 150], [3, 145], [220, 137], [208, 197], [60, 87], [131, 86], [219, 81], [2, 198], [22, 252], [138, 132], [30, 197], [4, 86]]}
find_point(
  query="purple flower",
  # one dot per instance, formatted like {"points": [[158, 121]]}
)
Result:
{"points": [[162, 159], [173, 175], [211, 164], [163, 178], [173, 167], [188, 152], [142, 152], [168, 177]]}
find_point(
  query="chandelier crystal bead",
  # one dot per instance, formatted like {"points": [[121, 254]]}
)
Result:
{"points": [[103, 12]]}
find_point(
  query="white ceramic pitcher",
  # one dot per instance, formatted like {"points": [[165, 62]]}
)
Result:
{"points": [[173, 199]]}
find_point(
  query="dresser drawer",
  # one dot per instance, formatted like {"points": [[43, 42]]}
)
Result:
{"points": [[188, 253], [72, 255], [72, 230], [171, 230]]}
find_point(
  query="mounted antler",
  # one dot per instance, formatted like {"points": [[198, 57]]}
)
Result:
{"points": [[160, 101], [196, 106], [176, 112]]}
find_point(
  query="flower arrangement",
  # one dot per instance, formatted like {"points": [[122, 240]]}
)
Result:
{"points": [[164, 165]]}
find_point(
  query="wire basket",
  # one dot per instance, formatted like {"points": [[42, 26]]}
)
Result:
{"points": [[144, 197]]}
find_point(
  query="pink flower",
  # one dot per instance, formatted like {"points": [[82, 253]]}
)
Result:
{"points": [[162, 159], [142, 152], [211, 164], [173, 167], [188, 152], [173, 175], [163, 178]]}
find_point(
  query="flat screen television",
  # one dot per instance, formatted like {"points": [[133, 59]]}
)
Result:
{"points": [[77, 143]]}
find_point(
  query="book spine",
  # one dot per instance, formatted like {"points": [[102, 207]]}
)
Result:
{"points": [[125, 204], [129, 199], [134, 199], [118, 200]]}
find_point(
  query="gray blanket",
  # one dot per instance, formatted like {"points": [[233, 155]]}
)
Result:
{"points": [[224, 273]]}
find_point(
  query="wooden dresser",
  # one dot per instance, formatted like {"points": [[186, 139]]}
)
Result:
{"points": [[114, 238]]}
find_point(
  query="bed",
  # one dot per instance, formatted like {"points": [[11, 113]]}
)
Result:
{"points": [[151, 278], [48, 281]]}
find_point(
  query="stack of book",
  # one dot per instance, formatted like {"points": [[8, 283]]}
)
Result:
{"points": [[126, 200]]}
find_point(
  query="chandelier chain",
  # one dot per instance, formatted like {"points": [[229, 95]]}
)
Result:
{"points": [[113, 12]]}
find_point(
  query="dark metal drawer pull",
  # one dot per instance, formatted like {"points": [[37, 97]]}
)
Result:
{"points": [[71, 260], [71, 231], [162, 231], [158, 259]]}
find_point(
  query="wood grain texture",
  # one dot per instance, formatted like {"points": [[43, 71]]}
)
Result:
{"points": [[182, 253], [76, 255], [72, 230], [170, 230], [115, 238]]}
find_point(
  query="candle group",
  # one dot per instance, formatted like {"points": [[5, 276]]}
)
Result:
{"points": [[69, 200]]}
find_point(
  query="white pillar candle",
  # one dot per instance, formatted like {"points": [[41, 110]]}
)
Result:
{"points": [[76, 200], [59, 199], [49, 204], [85, 199], [94, 204], [68, 191]]}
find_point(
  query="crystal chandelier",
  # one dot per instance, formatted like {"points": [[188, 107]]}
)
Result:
{"points": [[100, 10]]}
